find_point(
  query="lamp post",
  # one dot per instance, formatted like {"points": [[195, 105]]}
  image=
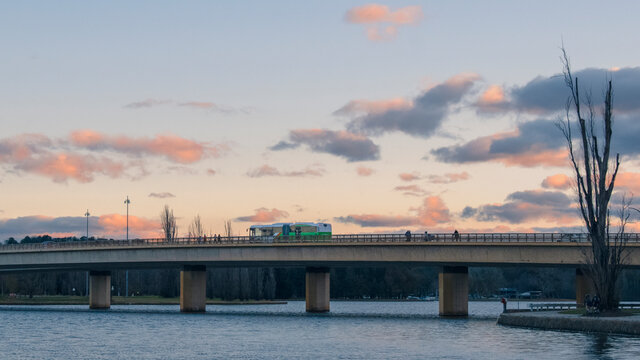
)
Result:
{"points": [[126, 273], [86, 275]]}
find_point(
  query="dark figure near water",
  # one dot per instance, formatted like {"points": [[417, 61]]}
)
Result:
{"points": [[408, 235], [596, 303], [588, 303], [456, 235], [426, 236]]}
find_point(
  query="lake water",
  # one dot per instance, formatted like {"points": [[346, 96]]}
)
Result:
{"points": [[353, 330]]}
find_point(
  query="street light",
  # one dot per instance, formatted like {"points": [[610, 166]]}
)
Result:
{"points": [[86, 275], [127, 202], [87, 215], [126, 273]]}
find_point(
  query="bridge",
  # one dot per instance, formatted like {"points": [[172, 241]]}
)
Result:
{"points": [[454, 254]]}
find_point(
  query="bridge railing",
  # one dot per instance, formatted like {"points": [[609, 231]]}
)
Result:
{"points": [[304, 239]]}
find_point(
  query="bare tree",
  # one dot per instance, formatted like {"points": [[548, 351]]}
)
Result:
{"points": [[196, 230], [227, 228], [595, 179], [168, 221]]}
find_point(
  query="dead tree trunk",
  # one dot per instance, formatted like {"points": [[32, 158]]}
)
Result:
{"points": [[594, 186]]}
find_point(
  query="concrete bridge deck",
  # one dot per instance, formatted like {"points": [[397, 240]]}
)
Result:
{"points": [[454, 253]]}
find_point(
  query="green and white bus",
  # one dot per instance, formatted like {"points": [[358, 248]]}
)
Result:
{"points": [[291, 231]]}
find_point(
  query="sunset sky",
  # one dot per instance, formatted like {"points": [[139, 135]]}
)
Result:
{"points": [[375, 117]]}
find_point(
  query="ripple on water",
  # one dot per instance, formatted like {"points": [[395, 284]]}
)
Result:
{"points": [[353, 330]]}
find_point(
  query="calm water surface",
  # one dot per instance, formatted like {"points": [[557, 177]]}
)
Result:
{"points": [[353, 330]]}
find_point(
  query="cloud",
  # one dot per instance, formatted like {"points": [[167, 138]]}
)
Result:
{"points": [[162, 195], [264, 215], [61, 167], [534, 143], [629, 182], [352, 147], [174, 148], [492, 100], [448, 178], [409, 176], [411, 190], [266, 170], [76, 157], [372, 220], [202, 105], [382, 23], [362, 107], [544, 95], [146, 103], [364, 171], [210, 172], [110, 225], [557, 181], [432, 212], [422, 118], [523, 206]]}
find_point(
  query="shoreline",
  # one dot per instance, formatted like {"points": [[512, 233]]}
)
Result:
{"points": [[553, 320]]}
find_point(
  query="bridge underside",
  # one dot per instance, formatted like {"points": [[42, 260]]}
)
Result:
{"points": [[318, 258]]}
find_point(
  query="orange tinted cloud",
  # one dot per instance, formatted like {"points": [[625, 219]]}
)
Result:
{"points": [[173, 147], [364, 171], [64, 166], [557, 181], [382, 23], [375, 13], [433, 212], [115, 225], [628, 181], [493, 95], [409, 176], [264, 215]]}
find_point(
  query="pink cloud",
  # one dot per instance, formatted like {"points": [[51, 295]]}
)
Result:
{"points": [[409, 176], [61, 167], [364, 171], [557, 181], [264, 215], [628, 181], [114, 225], [381, 22], [146, 103], [375, 13], [211, 172], [173, 147], [492, 100], [433, 212]]}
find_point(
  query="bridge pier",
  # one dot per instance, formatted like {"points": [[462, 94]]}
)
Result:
{"points": [[584, 286], [453, 282], [193, 288], [99, 289], [317, 289]]}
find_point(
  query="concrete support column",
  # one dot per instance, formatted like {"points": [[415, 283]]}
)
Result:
{"points": [[584, 286], [317, 289], [454, 291], [99, 289], [193, 288]]}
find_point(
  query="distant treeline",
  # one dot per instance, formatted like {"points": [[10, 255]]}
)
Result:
{"points": [[390, 282]]}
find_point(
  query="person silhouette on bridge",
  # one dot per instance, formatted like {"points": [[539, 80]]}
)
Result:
{"points": [[408, 235], [456, 235]]}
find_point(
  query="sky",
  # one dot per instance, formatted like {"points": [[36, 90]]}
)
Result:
{"points": [[374, 117]]}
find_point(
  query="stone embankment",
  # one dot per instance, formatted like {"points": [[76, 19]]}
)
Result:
{"points": [[552, 320]]}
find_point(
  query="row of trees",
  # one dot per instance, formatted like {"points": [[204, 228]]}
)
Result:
{"points": [[289, 283]]}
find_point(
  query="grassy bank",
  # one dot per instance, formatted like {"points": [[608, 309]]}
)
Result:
{"points": [[120, 300]]}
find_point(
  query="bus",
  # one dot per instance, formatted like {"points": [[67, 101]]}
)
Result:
{"points": [[291, 231]]}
